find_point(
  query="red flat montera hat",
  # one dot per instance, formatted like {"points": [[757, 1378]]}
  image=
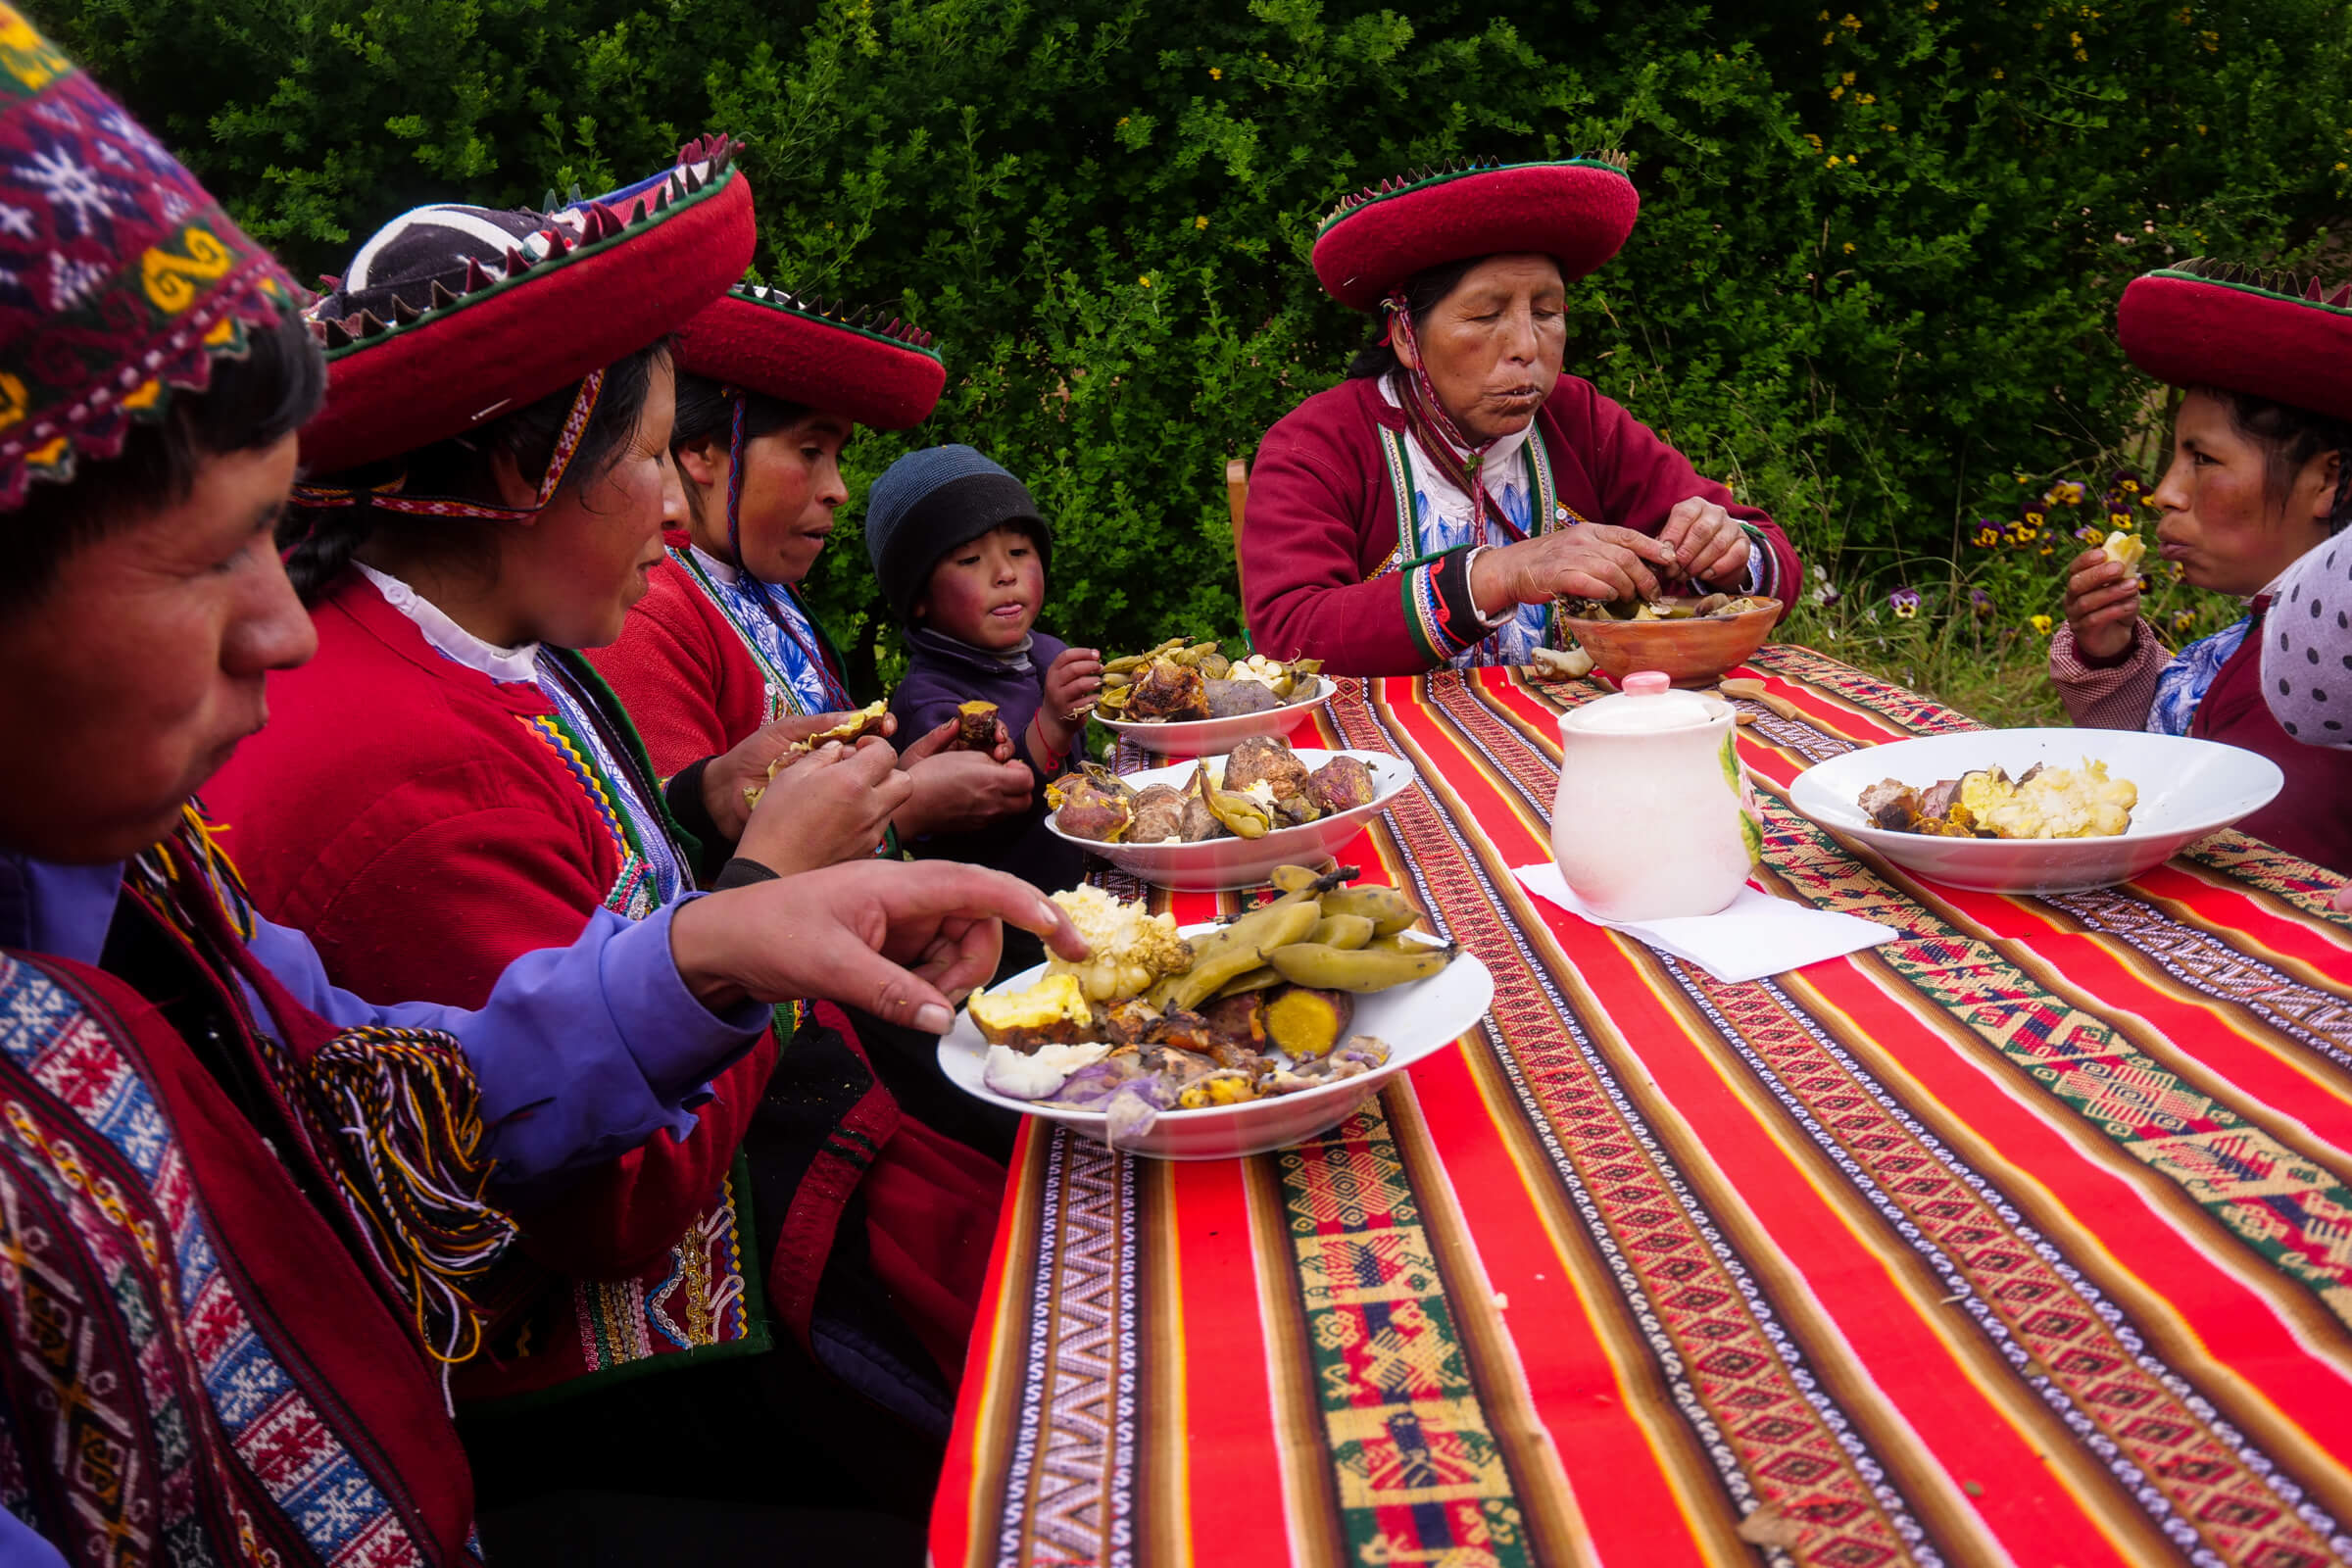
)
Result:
{"points": [[2243, 330], [1576, 211], [884, 376], [451, 315], [120, 280]]}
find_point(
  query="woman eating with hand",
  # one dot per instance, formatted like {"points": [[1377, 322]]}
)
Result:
{"points": [[450, 782], [2261, 476], [1458, 460], [769, 390], [253, 1218]]}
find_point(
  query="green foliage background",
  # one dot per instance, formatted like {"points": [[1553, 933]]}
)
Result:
{"points": [[1873, 278]]}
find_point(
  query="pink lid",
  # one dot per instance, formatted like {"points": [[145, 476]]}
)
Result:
{"points": [[1645, 683]]}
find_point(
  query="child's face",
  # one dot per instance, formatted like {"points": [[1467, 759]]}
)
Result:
{"points": [[2223, 523], [986, 592]]}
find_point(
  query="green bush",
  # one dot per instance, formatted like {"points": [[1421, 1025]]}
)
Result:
{"points": [[1874, 280]]}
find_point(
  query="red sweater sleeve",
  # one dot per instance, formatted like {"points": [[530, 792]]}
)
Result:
{"points": [[1642, 478], [1305, 591], [685, 677], [503, 882]]}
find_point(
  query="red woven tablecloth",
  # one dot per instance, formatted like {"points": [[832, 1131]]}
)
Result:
{"points": [[2025, 1237]]}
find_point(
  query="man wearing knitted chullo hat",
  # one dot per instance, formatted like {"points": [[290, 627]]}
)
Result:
{"points": [[961, 550]]}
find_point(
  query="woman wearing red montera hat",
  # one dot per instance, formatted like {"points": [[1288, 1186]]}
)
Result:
{"points": [[2261, 476], [1428, 509]]}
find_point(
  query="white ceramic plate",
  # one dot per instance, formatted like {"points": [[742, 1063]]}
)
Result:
{"points": [[1231, 863], [1417, 1020], [2187, 789], [1204, 737]]}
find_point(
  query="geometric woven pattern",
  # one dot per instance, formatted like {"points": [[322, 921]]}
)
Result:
{"points": [[2025, 1237]]}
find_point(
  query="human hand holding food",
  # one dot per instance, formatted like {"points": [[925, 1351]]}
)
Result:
{"points": [[901, 942], [954, 792], [826, 808], [1708, 543], [1072, 682], [734, 776], [1591, 560], [2102, 605]]}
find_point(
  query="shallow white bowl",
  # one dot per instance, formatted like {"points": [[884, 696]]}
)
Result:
{"points": [[1231, 863], [2187, 789], [1202, 737], [1417, 1020]]}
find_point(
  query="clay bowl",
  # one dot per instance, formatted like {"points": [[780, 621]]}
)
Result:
{"points": [[1691, 653]]}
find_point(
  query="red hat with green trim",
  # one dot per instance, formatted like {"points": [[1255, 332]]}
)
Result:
{"points": [[882, 375], [452, 316], [120, 280], [1578, 211], [2243, 330]]}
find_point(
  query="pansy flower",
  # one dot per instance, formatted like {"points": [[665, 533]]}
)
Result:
{"points": [[1982, 602], [2089, 533], [1988, 534], [1905, 602], [2021, 531], [2041, 624]]}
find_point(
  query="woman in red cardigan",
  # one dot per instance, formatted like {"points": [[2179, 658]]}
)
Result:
{"points": [[769, 390], [449, 781], [1428, 509], [2261, 476]]}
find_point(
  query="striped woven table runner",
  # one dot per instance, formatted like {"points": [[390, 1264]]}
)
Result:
{"points": [[2025, 1237]]}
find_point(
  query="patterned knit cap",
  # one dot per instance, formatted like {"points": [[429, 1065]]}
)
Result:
{"points": [[120, 280]]}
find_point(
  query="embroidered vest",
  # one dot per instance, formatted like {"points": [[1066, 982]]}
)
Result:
{"points": [[699, 1301], [1415, 544]]}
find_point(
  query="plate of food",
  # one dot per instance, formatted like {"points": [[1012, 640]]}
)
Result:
{"points": [[1191, 700], [2034, 810], [1226, 821], [1693, 639], [1220, 1040]]}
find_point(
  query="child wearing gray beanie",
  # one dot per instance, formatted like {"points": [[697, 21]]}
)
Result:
{"points": [[961, 551]]}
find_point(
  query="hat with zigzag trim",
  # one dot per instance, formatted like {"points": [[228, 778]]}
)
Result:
{"points": [[2244, 329], [1578, 211], [120, 280], [884, 376], [453, 316]]}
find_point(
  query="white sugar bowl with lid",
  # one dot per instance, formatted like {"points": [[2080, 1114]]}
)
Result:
{"points": [[1655, 817]]}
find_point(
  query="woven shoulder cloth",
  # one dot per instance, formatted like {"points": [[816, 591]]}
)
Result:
{"points": [[190, 1370], [390, 1119]]}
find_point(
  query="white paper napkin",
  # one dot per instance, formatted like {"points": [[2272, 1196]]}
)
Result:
{"points": [[1756, 936]]}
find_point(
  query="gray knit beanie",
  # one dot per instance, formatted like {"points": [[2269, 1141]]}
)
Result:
{"points": [[929, 502]]}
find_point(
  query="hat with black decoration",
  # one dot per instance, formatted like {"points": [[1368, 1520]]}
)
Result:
{"points": [[881, 374], [2243, 330], [121, 280], [449, 317], [1578, 211]]}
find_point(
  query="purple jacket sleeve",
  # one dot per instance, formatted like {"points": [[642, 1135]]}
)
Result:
{"points": [[582, 1053]]}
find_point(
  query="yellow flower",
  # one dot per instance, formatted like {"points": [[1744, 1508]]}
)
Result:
{"points": [[2340, 168], [2201, 131], [2074, 38], [1836, 93], [1146, 281], [1998, 74], [1216, 73], [2041, 624], [1850, 247], [1930, 5], [1200, 222], [2211, 40], [1815, 141], [2082, 54], [1866, 98], [1833, 160], [1851, 22], [1847, 79]]}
